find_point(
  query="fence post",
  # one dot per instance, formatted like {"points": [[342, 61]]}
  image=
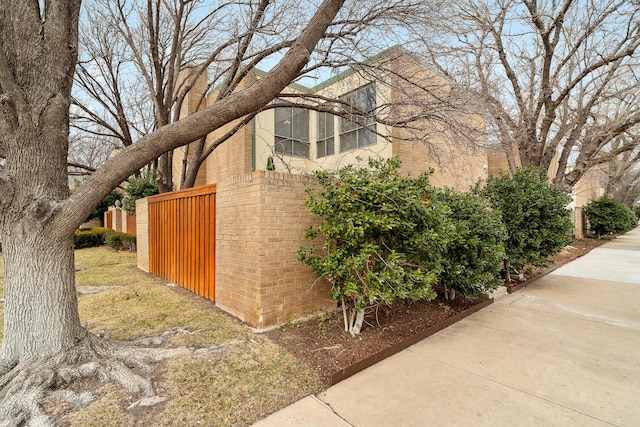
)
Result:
{"points": [[142, 233]]}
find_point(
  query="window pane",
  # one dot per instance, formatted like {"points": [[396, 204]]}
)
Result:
{"points": [[282, 145], [283, 121], [366, 137], [330, 149], [300, 125], [348, 125], [320, 149], [348, 141], [300, 149], [325, 125], [367, 98]]}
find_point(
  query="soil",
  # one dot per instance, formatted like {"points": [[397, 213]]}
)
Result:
{"points": [[322, 343]]}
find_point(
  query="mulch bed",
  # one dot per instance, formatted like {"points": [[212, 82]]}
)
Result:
{"points": [[322, 343], [579, 248]]}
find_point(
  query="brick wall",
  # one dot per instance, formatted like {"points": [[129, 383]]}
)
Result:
{"points": [[260, 224]]}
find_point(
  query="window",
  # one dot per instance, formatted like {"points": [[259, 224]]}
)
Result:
{"points": [[325, 144], [358, 129], [292, 131]]}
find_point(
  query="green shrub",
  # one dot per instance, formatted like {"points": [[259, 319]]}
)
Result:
{"points": [[89, 238], [636, 210], [139, 188], [109, 200], [119, 241], [473, 260], [534, 214], [608, 216], [384, 235]]}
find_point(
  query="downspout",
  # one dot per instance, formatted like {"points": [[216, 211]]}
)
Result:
{"points": [[253, 131]]}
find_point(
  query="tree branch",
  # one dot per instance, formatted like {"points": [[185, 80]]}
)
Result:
{"points": [[199, 124]]}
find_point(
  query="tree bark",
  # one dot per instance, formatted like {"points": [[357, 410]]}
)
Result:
{"points": [[37, 216], [41, 308]]}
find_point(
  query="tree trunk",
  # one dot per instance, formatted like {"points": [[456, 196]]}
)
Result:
{"points": [[165, 172], [41, 308]]}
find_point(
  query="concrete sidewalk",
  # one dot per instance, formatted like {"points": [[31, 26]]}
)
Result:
{"points": [[563, 351]]}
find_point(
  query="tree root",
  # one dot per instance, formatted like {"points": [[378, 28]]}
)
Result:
{"points": [[25, 387]]}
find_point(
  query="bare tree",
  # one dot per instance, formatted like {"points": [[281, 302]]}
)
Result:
{"points": [[171, 46], [624, 174], [38, 216], [559, 78], [86, 154], [42, 330]]}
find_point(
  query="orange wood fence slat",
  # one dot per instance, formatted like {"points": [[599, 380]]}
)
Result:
{"points": [[109, 219], [131, 224], [182, 238]]}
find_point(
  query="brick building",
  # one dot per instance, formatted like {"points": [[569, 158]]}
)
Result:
{"points": [[260, 217]]}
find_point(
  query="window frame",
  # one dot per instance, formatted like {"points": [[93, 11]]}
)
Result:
{"points": [[290, 144], [362, 131], [325, 139]]}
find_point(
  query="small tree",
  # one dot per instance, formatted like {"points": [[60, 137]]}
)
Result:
{"points": [[109, 200], [384, 235], [473, 259], [138, 188], [608, 216], [534, 214]]}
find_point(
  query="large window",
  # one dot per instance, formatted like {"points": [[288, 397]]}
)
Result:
{"points": [[325, 145], [358, 128], [292, 131]]}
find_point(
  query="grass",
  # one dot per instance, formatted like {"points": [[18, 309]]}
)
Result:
{"points": [[236, 385], [103, 266]]}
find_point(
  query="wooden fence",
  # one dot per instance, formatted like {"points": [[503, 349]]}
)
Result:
{"points": [[131, 223], [182, 238], [108, 219]]}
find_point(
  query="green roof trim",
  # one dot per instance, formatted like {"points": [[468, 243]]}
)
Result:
{"points": [[256, 72]]}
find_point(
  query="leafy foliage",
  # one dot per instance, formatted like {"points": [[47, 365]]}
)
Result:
{"points": [[89, 238], [139, 188], [609, 216], [120, 241], [473, 260], [534, 214], [92, 237], [384, 234], [109, 200]]}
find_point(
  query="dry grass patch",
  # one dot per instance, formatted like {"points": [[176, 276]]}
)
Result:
{"points": [[243, 380], [107, 410], [236, 387], [103, 266], [136, 311]]}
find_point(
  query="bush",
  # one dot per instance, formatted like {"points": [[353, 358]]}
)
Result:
{"points": [[384, 235], [120, 241], [473, 259], [139, 188], [534, 214], [608, 216], [93, 237], [109, 200], [636, 210], [89, 238]]}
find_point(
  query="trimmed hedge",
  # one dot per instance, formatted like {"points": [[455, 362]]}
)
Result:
{"points": [[608, 216], [92, 237], [89, 238], [120, 241]]}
